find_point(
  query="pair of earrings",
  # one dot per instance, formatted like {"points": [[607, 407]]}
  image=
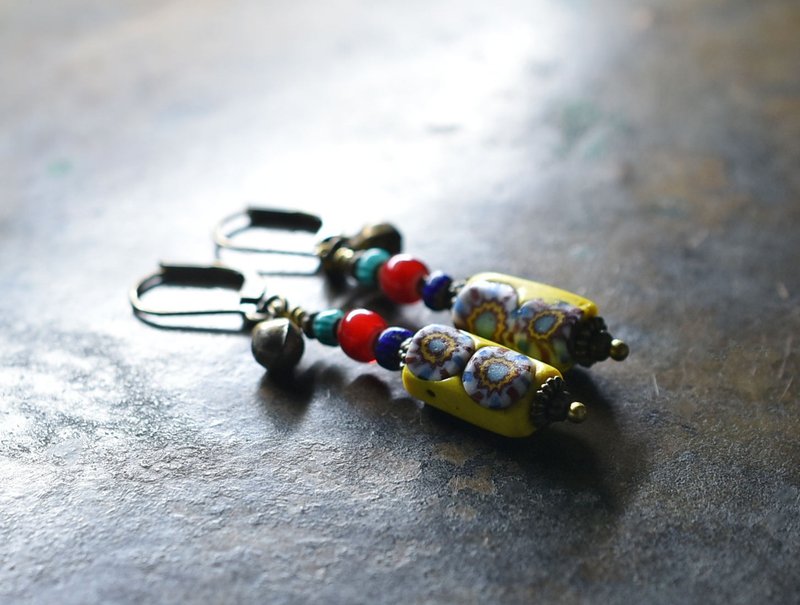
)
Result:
{"points": [[498, 368]]}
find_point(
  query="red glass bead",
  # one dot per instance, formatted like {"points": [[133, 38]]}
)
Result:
{"points": [[358, 331], [401, 278]]}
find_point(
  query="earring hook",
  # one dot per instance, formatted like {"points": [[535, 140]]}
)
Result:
{"points": [[264, 218], [252, 305], [381, 235]]}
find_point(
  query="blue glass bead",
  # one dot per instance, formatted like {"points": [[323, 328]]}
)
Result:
{"points": [[387, 347], [367, 265], [436, 291], [324, 326]]}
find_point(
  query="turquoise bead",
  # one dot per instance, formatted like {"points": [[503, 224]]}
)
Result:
{"points": [[324, 326], [367, 265]]}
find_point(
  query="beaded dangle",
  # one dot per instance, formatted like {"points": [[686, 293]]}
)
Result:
{"points": [[467, 376], [540, 321]]}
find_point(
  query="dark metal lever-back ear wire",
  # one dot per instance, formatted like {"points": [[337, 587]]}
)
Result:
{"points": [[282, 220], [251, 306], [381, 235]]}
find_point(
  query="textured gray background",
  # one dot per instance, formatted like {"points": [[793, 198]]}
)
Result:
{"points": [[645, 154]]}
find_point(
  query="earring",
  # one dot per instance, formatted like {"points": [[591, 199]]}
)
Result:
{"points": [[462, 374], [543, 322]]}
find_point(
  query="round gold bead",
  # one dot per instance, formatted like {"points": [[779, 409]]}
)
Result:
{"points": [[342, 257], [577, 412], [619, 350]]}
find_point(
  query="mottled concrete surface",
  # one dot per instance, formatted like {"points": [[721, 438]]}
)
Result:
{"points": [[645, 154]]}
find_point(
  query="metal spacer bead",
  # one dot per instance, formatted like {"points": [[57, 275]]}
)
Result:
{"points": [[455, 288], [403, 351], [297, 316], [342, 260]]}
